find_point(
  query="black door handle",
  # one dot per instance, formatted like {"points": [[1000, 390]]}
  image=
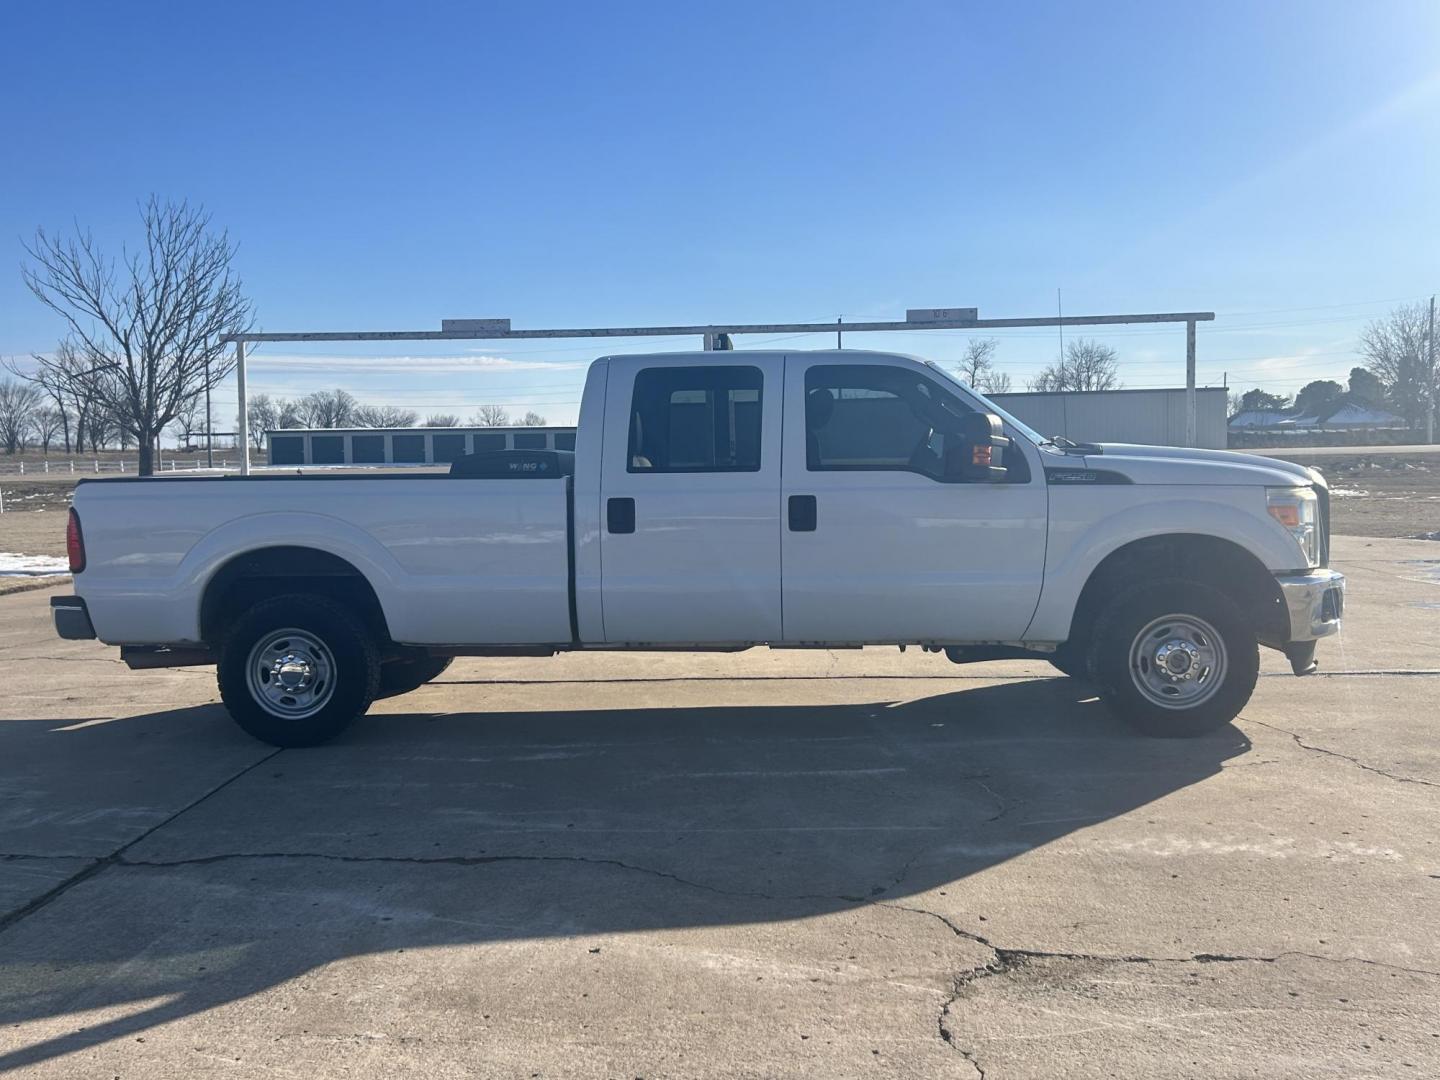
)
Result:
{"points": [[620, 515], [802, 513]]}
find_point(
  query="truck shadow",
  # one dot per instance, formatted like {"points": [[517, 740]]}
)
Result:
{"points": [[431, 831]]}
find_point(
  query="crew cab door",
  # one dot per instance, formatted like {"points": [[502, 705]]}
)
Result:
{"points": [[690, 499], [878, 546]]}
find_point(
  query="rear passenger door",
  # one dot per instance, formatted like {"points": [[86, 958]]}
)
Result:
{"points": [[690, 496]]}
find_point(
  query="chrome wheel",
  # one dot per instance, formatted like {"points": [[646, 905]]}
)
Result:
{"points": [[1178, 661], [290, 674]]}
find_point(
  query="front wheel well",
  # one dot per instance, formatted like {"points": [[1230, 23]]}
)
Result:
{"points": [[274, 571], [1207, 560]]}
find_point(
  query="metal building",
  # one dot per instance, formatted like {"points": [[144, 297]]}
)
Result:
{"points": [[405, 446], [1153, 417]]}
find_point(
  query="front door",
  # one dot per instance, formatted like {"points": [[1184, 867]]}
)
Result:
{"points": [[690, 500], [878, 546]]}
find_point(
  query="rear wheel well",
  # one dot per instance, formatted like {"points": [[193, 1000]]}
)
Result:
{"points": [[1207, 560], [258, 575]]}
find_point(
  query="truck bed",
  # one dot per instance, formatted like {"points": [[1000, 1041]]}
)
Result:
{"points": [[451, 559]]}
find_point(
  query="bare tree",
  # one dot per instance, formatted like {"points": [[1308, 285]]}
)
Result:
{"points": [[977, 361], [382, 416], [531, 419], [72, 383], [155, 329], [190, 420], [327, 409], [994, 382], [19, 401], [1086, 365], [442, 420], [491, 416], [46, 424], [263, 415], [1396, 350]]}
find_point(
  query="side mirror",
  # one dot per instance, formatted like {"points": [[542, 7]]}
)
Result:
{"points": [[975, 455]]}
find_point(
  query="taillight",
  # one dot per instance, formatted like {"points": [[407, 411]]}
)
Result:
{"points": [[75, 543]]}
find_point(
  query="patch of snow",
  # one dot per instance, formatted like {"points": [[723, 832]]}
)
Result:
{"points": [[1348, 493], [16, 565]]}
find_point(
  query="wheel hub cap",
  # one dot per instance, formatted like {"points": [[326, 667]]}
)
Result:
{"points": [[1178, 661], [290, 674], [293, 672]]}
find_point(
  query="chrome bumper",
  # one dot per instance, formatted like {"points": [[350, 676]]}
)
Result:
{"points": [[1316, 601]]}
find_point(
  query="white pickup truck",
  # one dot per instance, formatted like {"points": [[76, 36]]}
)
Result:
{"points": [[719, 501]]}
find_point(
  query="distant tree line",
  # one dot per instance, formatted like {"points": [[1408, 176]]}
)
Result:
{"points": [[1400, 374]]}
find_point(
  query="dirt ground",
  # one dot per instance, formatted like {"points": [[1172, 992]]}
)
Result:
{"points": [[1382, 495]]}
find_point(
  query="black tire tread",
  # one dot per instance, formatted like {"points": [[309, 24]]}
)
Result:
{"points": [[1110, 652], [295, 609]]}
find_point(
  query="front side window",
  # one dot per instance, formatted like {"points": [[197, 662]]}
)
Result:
{"points": [[878, 418], [696, 419]]}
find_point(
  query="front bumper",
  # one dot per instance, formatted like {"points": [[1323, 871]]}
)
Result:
{"points": [[72, 618], [1315, 601]]}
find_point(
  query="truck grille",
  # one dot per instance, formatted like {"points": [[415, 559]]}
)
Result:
{"points": [[1324, 498]]}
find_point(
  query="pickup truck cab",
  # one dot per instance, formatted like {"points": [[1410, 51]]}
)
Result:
{"points": [[719, 501]]}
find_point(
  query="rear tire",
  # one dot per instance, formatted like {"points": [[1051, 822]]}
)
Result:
{"points": [[401, 676], [1071, 658], [1174, 659], [297, 670]]}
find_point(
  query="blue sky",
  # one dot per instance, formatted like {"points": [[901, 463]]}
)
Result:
{"points": [[383, 166]]}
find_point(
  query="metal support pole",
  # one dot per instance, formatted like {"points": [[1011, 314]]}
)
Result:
{"points": [[209, 421], [839, 341], [242, 423], [1190, 383]]}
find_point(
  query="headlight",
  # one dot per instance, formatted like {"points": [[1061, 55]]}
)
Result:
{"points": [[1298, 510]]}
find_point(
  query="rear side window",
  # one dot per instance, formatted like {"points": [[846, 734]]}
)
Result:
{"points": [[877, 418], [696, 419]]}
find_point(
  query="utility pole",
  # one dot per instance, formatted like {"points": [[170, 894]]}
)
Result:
{"points": [[209, 425], [1430, 371]]}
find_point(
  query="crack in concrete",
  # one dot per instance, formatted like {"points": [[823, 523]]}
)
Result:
{"points": [[103, 863], [1009, 960], [1344, 757]]}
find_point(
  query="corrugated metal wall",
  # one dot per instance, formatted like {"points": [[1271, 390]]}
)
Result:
{"points": [[1153, 417]]}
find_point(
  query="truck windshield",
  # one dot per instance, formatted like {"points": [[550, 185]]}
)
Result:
{"points": [[1024, 429]]}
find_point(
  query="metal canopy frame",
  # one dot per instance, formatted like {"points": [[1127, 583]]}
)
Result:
{"points": [[921, 319]]}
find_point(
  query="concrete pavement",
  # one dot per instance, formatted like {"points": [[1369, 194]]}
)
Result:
{"points": [[827, 864]]}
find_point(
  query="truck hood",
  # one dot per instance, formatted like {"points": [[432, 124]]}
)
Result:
{"points": [[1184, 465]]}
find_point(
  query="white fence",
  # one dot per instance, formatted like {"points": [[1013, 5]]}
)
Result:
{"points": [[112, 466]]}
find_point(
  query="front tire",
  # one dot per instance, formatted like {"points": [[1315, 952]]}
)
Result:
{"points": [[297, 670], [1174, 659]]}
